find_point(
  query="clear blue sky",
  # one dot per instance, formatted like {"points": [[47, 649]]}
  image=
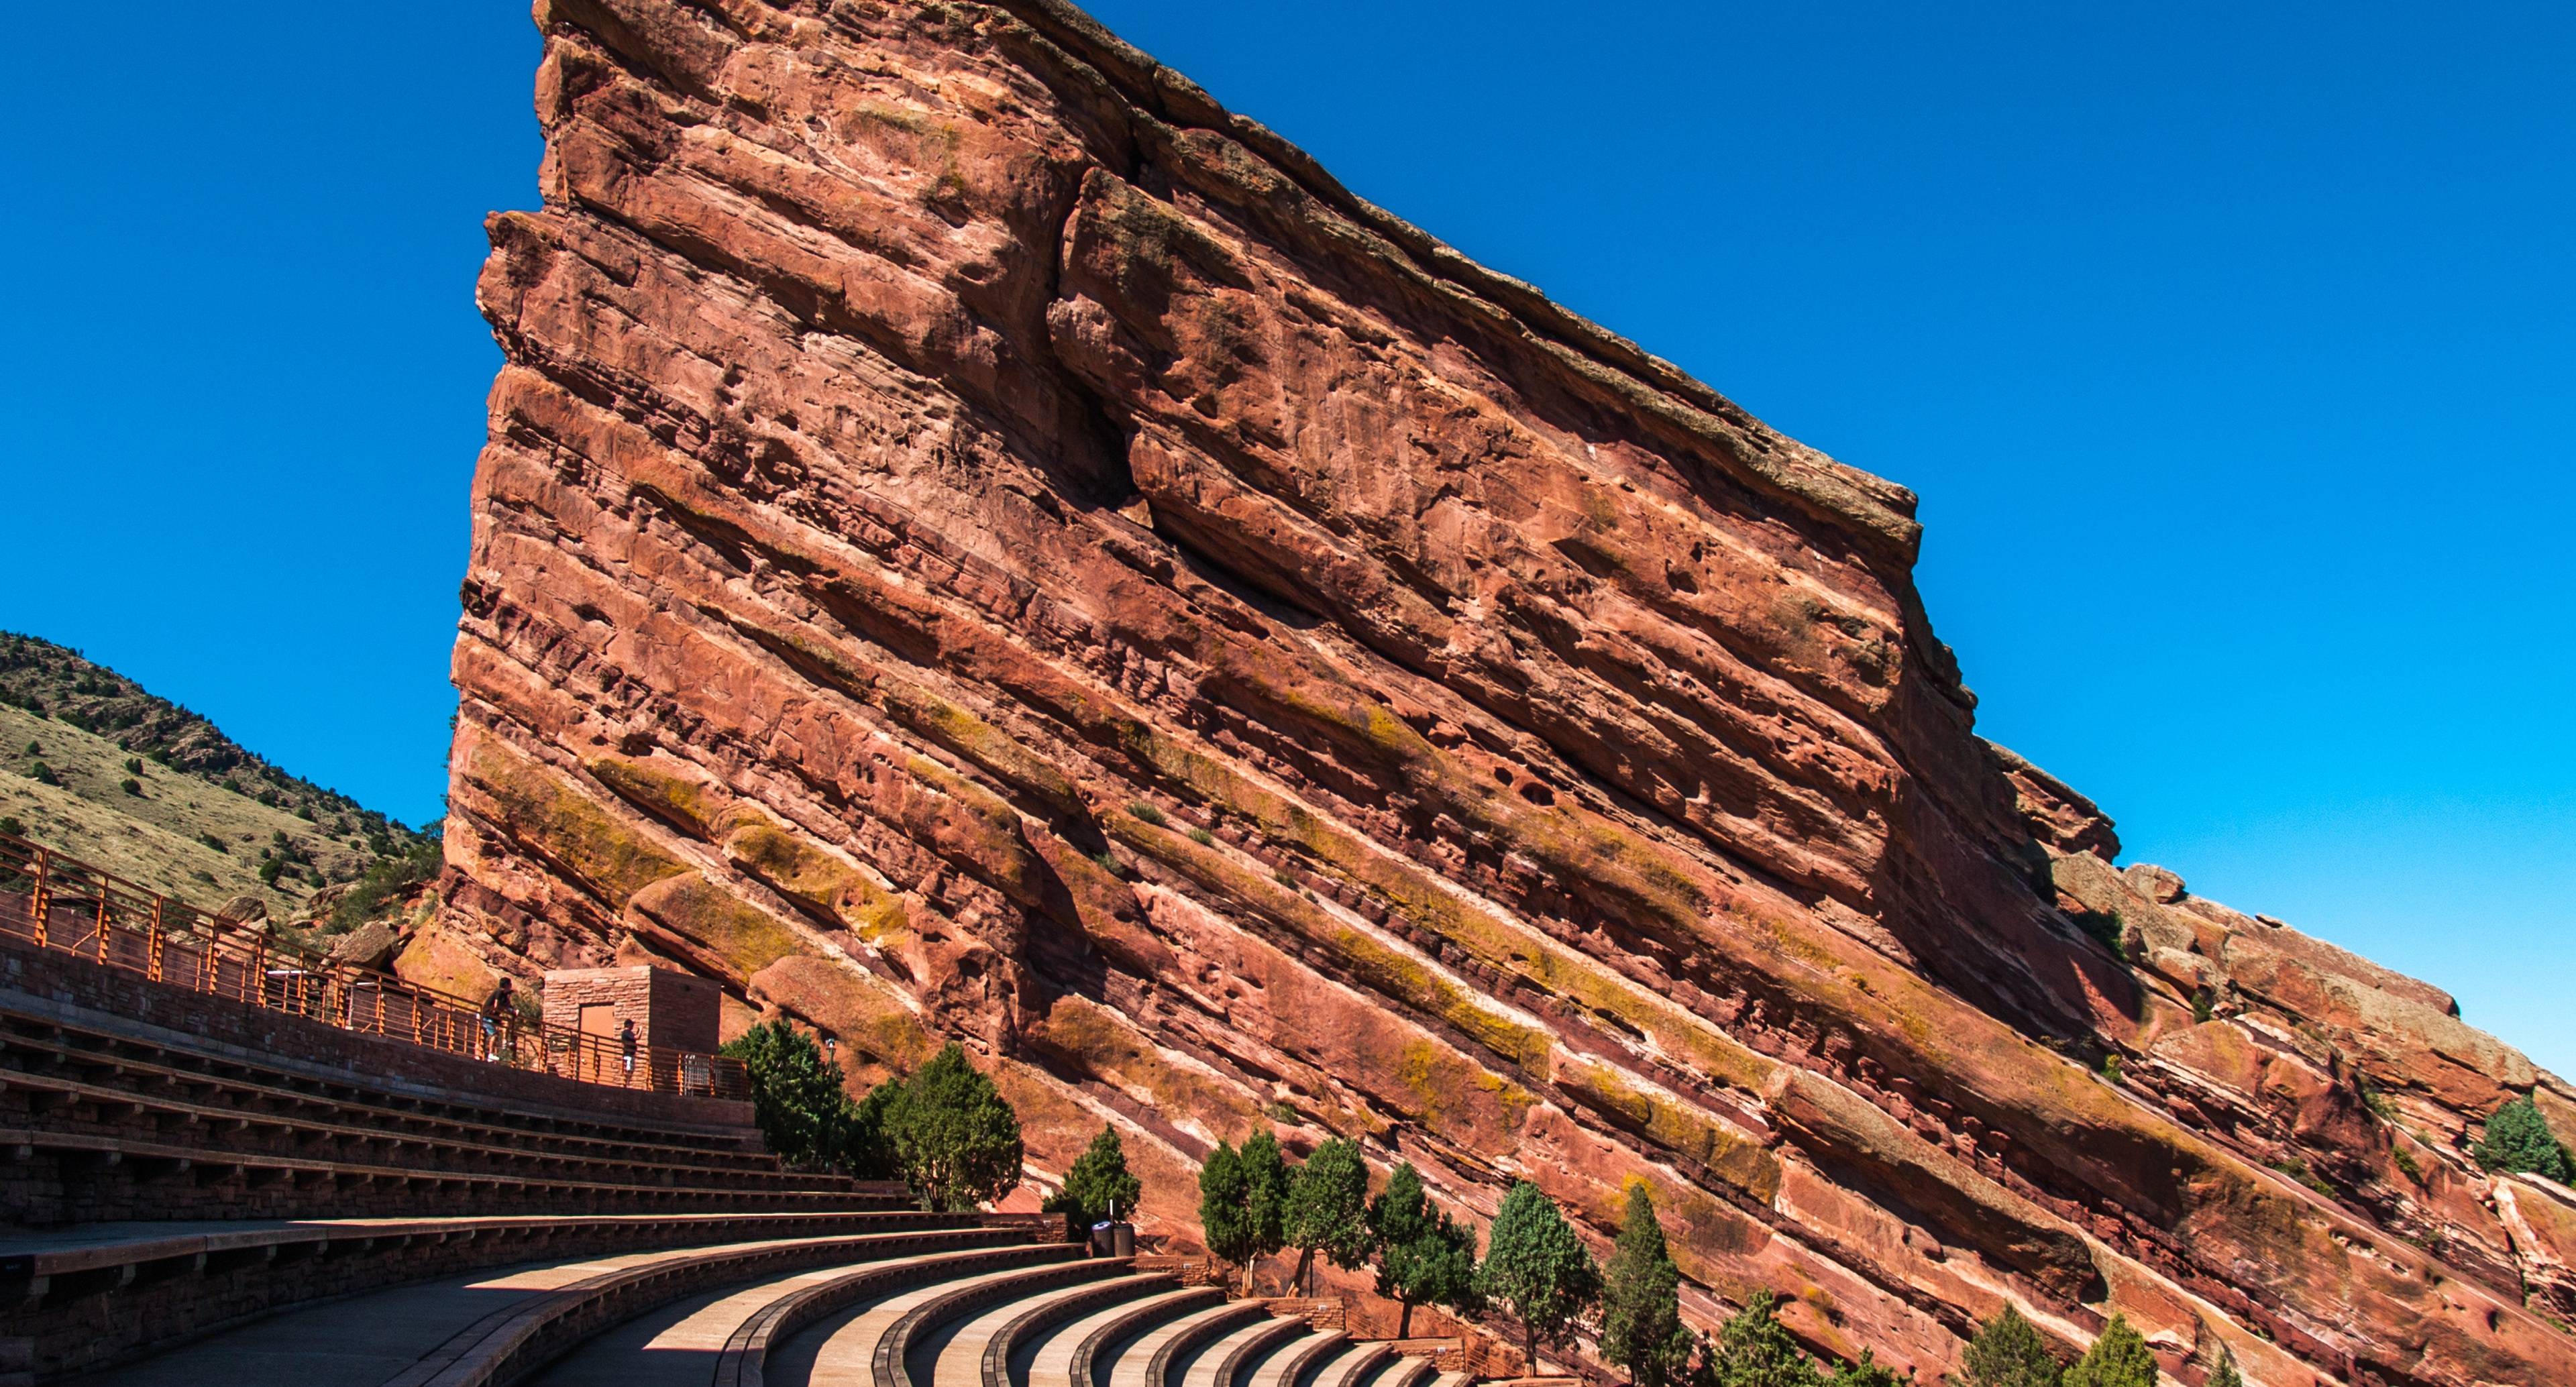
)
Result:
{"points": [[2230, 347]]}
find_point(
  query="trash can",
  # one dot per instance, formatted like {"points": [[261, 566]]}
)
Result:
{"points": [[1113, 1239]]}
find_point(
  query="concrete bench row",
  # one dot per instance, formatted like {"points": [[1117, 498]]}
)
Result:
{"points": [[40, 1046], [99, 1127], [98, 1294], [883, 1310]]}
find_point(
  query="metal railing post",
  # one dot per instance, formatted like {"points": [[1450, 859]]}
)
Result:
{"points": [[152, 952], [44, 894]]}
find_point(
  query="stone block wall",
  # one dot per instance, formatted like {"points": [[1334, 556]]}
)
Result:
{"points": [[670, 1010]]}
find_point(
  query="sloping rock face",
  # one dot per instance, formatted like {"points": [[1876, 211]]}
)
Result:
{"points": [[977, 541]]}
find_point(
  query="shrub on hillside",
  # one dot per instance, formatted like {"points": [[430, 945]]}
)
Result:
{"points": [[2517, 1139], [385, 878]]}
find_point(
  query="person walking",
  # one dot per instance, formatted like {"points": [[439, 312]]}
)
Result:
{"points": [[626, 1047], [494, 1008]]}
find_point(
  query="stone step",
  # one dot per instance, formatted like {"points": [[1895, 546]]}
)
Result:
{"points": [[1075, 1354], [1298, 1358]]}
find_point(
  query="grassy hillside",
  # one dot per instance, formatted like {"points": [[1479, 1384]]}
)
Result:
{"points": [[94, 765]]}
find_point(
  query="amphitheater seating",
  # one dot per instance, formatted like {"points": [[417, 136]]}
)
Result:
{"points": [[882, 1310], [201, 1196]]}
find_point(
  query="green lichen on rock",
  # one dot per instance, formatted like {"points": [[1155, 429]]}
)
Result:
{"points": [[554, 818], [1731, 1156], [812, 877], [1105, 1046], [675, 799], [722, 925]]}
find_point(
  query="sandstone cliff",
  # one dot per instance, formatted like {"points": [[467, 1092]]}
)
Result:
{"points": [[978, 541]]}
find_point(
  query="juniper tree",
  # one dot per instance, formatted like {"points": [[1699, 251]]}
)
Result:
{"points": [[2118, 1359], [1225, 1220], [1537, 1267], [1266, 1181], [2008, 1352], [1753, 1349], [2225, 1374], [1425, 1257], [955, 1139], [1868, 1372], [1098, 1186], [1328, 1211], [2518, 1139], [796, 1098], [1641, 1309]]}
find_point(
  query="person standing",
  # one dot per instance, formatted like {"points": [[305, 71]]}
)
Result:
{"points": [[494, 1008], [626, 1047]]}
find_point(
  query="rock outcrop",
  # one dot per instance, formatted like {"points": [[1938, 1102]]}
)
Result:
{"points": [[978, 541]]}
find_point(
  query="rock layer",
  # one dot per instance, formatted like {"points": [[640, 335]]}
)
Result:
{"points": [[977, 541]]}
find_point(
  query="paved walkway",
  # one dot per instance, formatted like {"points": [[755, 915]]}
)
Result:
{"points": [[356, 1342]]}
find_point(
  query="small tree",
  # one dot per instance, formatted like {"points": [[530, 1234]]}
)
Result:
{"points": [[866, 1152], [956, 1140], [2008, 1352], [1537, 1267], [1098, 1186], [1225, 1197], [1328, 1211], [795, 1097], [2118, 1359], [2225, 1374], [1868, 1372], [2517, 1138], [1641, 1309], [1266, 1182], [1425, 1257], [1753, 1349]]}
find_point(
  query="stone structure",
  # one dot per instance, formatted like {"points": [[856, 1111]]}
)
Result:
{"points": [[977, 541], [670, 1009]]}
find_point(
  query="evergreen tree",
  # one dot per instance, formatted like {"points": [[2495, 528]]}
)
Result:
{"points": [[1098, 1187], [795, 1097], [1266, 1182], [2008, 1352], [1753, 1349], [864, 1151], [1225, 1198], [2518, 1139], [1641, 1309], [2118, 1359], [1537, 1267], [1328, 1211], [956, 1140], [1868, 1372], [1425, 1257], [2226, 1375]]}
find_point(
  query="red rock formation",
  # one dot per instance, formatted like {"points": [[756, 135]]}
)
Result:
{"points": [[978, 541]]}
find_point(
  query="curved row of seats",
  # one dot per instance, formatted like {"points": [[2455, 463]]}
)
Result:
{"points": [[867, 1312], [100, 1125]]}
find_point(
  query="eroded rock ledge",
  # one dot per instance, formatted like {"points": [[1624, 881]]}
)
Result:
{"points": [[978, 541]]}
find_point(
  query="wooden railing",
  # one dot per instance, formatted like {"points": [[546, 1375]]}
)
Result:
{"points": [[62, 905]]}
